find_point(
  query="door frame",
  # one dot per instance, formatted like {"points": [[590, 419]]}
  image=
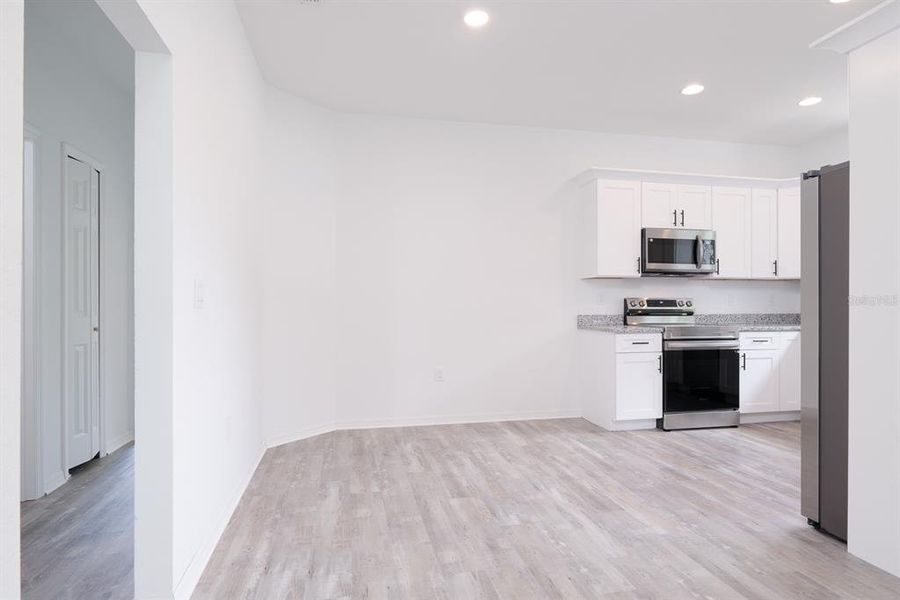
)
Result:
{"points": [[154, 272], [33, 484], [68, 150]]}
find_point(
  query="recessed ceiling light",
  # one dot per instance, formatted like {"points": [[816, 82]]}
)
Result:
{"points": [[476, 18], [811, 101], [839, 1], [692, 89]]}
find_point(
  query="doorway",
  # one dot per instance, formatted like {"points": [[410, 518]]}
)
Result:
{"points": [[153, 115], [78, 304]]}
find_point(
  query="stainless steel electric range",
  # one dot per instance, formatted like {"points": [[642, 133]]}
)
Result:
{"points": [[701, 367]]}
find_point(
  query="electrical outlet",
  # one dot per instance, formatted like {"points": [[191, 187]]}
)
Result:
{"points": [[438, 374]]}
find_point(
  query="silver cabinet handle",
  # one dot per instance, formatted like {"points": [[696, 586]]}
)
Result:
{"points": [[760, 341], [717, 266], [675, 218], [659, 358], [744, 359], [638, 264], [682, 217], [644, 343], [775, 267]]}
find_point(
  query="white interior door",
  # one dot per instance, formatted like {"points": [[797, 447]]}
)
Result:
{"points": [[82, 296]]}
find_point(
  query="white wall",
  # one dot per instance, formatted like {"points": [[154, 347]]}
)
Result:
{"points": [[11, 66], [873, 519], [218, 188], [71, 97], [454, 251], [830, 149], [299, 306]]}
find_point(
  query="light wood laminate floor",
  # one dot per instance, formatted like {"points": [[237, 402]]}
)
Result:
{"points": [[78, 542], [540, 509]]}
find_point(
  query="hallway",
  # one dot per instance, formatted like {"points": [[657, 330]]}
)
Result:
{"points": [[78, 542]]}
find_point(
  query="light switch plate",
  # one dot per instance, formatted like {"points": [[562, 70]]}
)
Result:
{"points": [[199, 296]]}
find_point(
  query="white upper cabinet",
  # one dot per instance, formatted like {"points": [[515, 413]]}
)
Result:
{"points": [[731, 222], [658, 205], [763, 233], [789, 233], [669, 205], [757, 229], [611, 229], [694, 206]]}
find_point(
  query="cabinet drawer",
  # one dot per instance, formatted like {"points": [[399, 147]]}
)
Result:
{"points": [[639, 342], [759, 340]]}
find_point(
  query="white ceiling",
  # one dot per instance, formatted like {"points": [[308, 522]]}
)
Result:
{"points": [[615, 66]]}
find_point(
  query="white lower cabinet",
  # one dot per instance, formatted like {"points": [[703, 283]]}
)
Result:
{"points": [[770, 372], [789, 368], [618, 380], [638, 385], [759, 381]]}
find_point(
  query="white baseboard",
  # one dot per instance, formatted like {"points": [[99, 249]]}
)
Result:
{"points": [[637, 425], [302, 434], [770, 417], [191, 576], [119, 441], [531, 415], [54, 480], [534, 415]]}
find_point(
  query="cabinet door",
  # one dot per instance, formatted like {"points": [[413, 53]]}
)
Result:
{"points": [[789, 233], [759, 381], [763, 233], [658, 205], [638, 386], [789, 371], [693, 203], [731, 222], [618, 228]]}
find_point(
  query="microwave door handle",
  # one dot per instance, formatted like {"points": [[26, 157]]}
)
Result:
{"points": [[698, 251]]}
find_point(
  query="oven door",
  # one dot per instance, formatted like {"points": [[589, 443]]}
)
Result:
{"points": [[701, 376], [678, 251]]}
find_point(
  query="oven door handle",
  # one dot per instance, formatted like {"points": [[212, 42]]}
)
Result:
{"points": [[701, 345]]}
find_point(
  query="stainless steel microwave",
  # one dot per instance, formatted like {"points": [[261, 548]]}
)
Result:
{"points": [[678, 251]]}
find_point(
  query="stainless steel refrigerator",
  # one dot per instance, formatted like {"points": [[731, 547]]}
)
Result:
{"points": [[825, 285]]}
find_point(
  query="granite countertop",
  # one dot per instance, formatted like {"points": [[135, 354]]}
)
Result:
{"points": [[740, 321]]}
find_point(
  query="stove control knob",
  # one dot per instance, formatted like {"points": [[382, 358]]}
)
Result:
{"points": [[642, 303], [689, 303], [632, 304], [681, 303]]}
